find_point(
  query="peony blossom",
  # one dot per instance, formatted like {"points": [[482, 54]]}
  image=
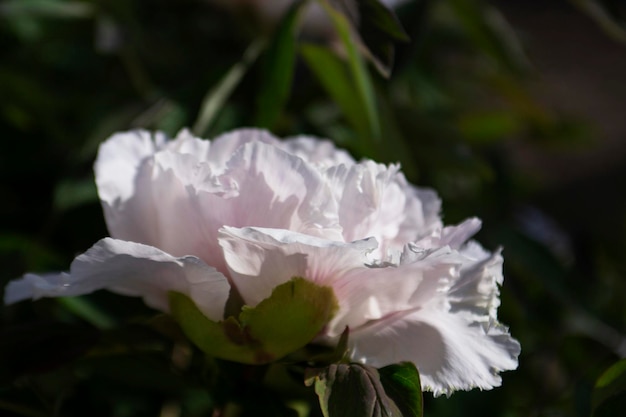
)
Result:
{"points": [[247, 212]]}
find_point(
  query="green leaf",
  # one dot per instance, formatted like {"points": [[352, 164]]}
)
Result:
{"points": [[47, 8], [360, 390], [278, 69], [287, 320], [483, 127], [489, 31], [335, 78], [214, 100], [402, 384], [85, 309], [358, 69], [378, 28], [70, 194], [612, 383]]}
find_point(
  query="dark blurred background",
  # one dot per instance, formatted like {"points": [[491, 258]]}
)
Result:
{"points": [[514, 111]]}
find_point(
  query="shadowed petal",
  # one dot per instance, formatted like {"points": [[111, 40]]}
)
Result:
{"points": [[130, 269], [451, 351]]}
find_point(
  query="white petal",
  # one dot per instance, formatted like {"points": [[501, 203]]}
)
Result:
{"points": [[224, 146], [451, 351], [187, 143], [261, 259], [317, 151], [176, 195], [182, 225], [133, 269], [278, 190], [376, 200], [477, 289], [123, 171]]}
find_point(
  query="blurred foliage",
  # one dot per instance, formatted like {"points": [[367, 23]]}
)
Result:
{"points": [[72, 72]]}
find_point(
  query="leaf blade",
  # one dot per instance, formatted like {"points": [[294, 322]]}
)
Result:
{"points": [[219, 94], [279, 68]]}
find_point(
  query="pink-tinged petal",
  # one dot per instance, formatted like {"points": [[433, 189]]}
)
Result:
{"points": [[376, 200], [176, 195], [186, 143], [260, 259], [276, 190], [451, 351], [123, 176], [317, 151], [133, 269], [224, 146], [182, 225], [379, 292]]}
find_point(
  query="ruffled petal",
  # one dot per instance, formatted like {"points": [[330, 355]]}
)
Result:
{"points": [[176, 195], [320, 152], [477, 290], [376, 200], [276, 190], [132, 269], [260, 259], [452, 236], [451, 351], [224, 146], [451, 335], [123, 176]]}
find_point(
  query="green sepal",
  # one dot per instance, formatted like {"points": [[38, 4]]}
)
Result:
{"points": [[286, 321]]}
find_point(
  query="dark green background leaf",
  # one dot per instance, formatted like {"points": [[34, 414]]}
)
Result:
{"points": [[275, 85], [402, 384]]}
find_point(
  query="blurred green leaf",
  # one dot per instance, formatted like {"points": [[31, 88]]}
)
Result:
{"points": [[73, 193], [89, 312], [612, 383], [334, 77], [284, 322], [164, 115], [488, 126], [378, 28], [607, 14], [278, 69], [358, 70], [218, 95], [46, 8], [488, 29], [34, 254]]}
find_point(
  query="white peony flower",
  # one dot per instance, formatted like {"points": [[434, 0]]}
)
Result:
{"points": [[249, 212]]}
